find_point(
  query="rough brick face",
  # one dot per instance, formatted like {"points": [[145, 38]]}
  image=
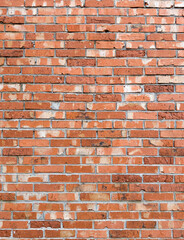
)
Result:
{"points": [[91, 119]]}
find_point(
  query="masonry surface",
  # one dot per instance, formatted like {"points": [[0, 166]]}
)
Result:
{"points": [[91, 119]]}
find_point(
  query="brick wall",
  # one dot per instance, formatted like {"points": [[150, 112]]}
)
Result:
{"points": [[92, 119]]}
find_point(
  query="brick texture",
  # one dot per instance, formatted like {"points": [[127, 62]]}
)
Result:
{"points": [[91, 119]]}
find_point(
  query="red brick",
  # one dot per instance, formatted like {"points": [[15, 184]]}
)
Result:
{"points": [[5, 233], [124, 233], [130, 53], [128, 71], [11, 53], [45, 224], [17, 151], [12, 20], [141, 224], [157, 88], [27, 233], [77, 224], [7, 196], [95, 3]]}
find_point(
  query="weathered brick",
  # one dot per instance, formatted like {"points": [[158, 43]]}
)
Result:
{"points": [[91, 119]]}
